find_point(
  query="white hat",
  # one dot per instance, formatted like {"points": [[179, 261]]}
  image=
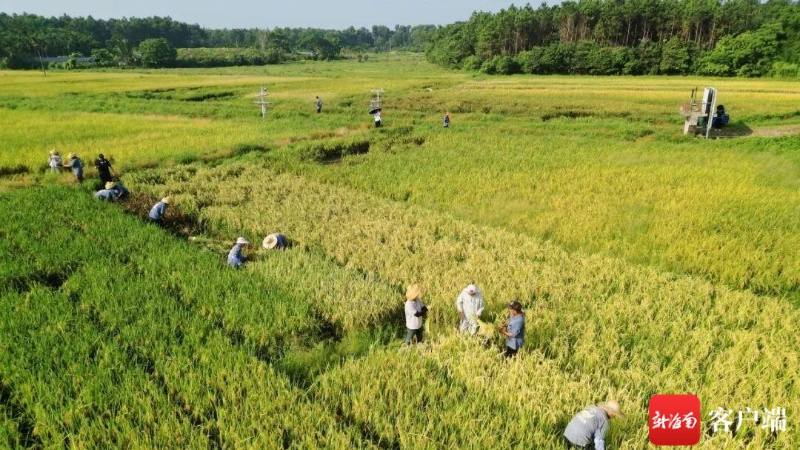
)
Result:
{"points": [[612, 408], [241, 240], [270, 242], [471, 289]]}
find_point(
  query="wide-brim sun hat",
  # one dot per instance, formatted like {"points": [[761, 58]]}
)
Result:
{"points": [[71, 155], [413, 292], [110, 185], [166, 200], [241, 240], [471, 289], [53, 152], [612, 407], [270, 242]]}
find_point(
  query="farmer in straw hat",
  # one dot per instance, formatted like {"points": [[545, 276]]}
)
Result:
{"points": [[470, 307], [235, 258], [158, 210], [119, 190], [275, 241], [108, 195], [514, 329], [589, 427], [76, 165], [415, 313]]}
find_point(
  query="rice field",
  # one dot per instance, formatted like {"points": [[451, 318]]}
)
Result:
{"points": [[648, 262]]}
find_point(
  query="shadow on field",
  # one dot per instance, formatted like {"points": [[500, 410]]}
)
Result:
{"points": [[731, 131]]}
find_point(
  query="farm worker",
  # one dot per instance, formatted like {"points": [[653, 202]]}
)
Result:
{"points": [[275, 241], [76, 165], [470, 307], [589, 427], [106, 194], [119, 190], [158, 210], [319, 105], [447, 119], [415, 313], [235, 258], [514, 329], [377, 117], [104, 169], [55, 161]]}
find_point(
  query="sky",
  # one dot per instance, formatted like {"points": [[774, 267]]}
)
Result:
{"points": [[328, 14]]}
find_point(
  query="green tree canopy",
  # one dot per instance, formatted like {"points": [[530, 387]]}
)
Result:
{"points": [[157, 52]]}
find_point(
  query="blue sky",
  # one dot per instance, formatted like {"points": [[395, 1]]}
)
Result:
{"points": [[334, 14]]}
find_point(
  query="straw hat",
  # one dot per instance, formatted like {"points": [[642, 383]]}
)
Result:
{"points": [[516, 306], [71, 155], [413, 292], [270, 242], [53, 152], [241, 240], [612, 408], [166, 200], [110, 185]]}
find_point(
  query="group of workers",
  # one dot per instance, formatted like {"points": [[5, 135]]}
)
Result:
{"points": [[586, 430], [470, 306], [103, 166], [274, 241]]}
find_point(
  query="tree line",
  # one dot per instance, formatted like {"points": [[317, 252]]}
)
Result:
{"points": [[152, 41], [605, 37]]}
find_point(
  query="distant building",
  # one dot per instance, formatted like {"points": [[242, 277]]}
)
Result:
{"points": [[63, 59]]}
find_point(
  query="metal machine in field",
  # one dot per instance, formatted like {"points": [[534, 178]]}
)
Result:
{"points": [[704, 115]]}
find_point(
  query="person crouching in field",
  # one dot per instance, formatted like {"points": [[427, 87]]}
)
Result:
{"points": [[588, 428], [514, 329], [235, 258], [120, 191], [275, 241], [415, 313], [55, 161], [76, 165], [158, 210], [108, 195]]}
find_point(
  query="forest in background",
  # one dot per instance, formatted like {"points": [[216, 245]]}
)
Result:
{"points": [[595, 37], [628, 37]]}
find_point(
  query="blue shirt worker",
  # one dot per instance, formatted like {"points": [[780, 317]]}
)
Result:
{"points": [[76, 165], [470, 307], [235, 258], [158, 210], [589, 427], [106, 194], [275, 241], [119, 190], [319, 105], [514, 329], [447, 119], [415, 313]]}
